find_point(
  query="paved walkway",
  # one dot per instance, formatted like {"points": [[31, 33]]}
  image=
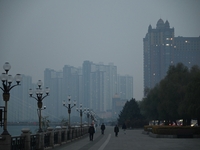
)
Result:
{"points": [[132, 140]]}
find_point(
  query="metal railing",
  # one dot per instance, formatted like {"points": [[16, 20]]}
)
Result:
{"points": [[17, 143], [46, 140], [33, 139]]}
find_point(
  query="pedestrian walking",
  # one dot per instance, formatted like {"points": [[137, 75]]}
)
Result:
{"points": [[103, 127], [116, 130], [96, 127], [91, 132], [124, 128]]}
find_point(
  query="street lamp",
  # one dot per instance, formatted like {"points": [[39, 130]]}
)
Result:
{"points": [[88, 115], [39, 97], [6, 82], [81, 110], [69, 107]]}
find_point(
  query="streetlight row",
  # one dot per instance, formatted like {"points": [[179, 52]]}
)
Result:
{"points": [[80, 110], [7, 81]]}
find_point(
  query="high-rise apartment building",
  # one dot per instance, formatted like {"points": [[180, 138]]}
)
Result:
{"points": [[87, 65], [110, 84], [71, 83], [158, 47], [162, 49], [99, 85], [125, 87], [187, 50], [62, 84], [54, 80]]}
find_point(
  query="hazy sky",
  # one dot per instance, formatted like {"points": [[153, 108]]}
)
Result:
{"points": [[40, 34]]}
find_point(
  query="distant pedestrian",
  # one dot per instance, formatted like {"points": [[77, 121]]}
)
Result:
{"points": [[116, 130], [124, 128], [103, 127], [96, 127], [91, 132]]}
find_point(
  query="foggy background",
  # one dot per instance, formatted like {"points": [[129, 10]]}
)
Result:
{"points": [[35, 35]]}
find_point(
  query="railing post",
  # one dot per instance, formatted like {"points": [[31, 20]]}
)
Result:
{"points": [[5, 142], [26, 133], [40, 141], [50, 129]]}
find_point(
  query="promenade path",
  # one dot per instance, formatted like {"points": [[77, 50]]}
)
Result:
{"points": [[132, 140]]}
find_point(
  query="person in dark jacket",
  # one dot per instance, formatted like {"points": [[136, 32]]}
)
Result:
{"points": [[91, 132], [103, 127], [116, 130]]}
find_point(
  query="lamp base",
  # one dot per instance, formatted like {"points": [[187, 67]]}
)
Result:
{"points": [[5, 132]]}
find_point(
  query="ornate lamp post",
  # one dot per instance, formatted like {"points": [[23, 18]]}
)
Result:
{"points": [[39, 97], [69, 107], [88, 115], [81, 110], [6, 82]]}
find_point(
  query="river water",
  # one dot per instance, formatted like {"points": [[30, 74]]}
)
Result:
{"points": [[16, 130]]}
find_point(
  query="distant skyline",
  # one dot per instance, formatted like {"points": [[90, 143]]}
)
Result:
{"points": [[35, 35]]}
